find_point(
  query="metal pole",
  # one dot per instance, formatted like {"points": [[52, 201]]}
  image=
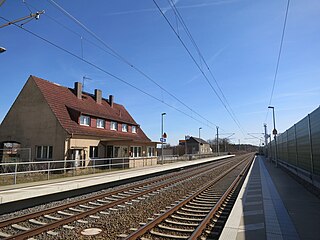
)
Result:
{"points": [[199, 131], [162, 137], [275, 137], [217, 141], [32, 15]]}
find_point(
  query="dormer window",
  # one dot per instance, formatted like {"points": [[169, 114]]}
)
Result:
{"points": [[101, 123], [114, 126], [124, 127], [84, 120], [134, 129]]}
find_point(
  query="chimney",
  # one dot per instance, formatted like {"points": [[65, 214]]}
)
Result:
{"points": [[98, 95], [78, 89], [111, 100]]}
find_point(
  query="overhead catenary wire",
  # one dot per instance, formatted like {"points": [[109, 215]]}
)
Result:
{"points": [[181, 20], [124, 60], [79, 35], [106, 72], [198, 66], [279, 56]]}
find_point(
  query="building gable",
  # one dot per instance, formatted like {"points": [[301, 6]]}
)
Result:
{"points": [[30, 121]]}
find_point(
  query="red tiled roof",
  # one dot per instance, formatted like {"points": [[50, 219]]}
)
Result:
{"points": [[60, 99]]}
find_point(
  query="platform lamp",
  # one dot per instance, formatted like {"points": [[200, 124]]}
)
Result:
{"points": [[274, 132], [162, 136]]}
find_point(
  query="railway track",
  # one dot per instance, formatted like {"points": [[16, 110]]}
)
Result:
{"points": [[46, 221], [201, 215]]}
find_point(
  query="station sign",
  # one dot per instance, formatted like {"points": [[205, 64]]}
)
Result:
{"points": [[163, 140]]}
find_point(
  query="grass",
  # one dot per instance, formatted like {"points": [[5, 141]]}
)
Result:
{"points": [[43, 176]]}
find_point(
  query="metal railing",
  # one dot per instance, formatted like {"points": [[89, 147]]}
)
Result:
{"points": [[46, 170], [20, 172]]}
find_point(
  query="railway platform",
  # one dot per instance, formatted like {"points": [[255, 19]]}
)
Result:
{"points": [[44, 190], [272, 205]]}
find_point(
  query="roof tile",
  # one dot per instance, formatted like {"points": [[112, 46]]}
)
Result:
{"points": [[61, 98]]}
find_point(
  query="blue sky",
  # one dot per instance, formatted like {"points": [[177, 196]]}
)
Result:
{"points": [[239, 39]]}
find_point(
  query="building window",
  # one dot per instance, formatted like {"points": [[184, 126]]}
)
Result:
{"points": [[114, 126], [93, 152], [84, 120], [44, 152], [135, 151], [124, 127], [151, 151], [101, 123], [134, 129]]}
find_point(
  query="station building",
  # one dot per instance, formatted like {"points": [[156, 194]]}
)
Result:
{"points": [[194, 145], [58, 123]]}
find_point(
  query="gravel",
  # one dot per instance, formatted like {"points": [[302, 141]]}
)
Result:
{"points": [[120, 221]]}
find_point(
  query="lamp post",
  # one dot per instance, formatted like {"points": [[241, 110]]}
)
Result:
{"points": [[199, 131], [274, 132], [162, 136], [218, 154]]}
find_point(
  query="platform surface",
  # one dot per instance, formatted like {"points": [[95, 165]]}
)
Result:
{"points": [[36, 189], [272, 205]]}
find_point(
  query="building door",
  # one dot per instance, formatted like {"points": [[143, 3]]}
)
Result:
{"points": [[116, 152], [109, 151]]}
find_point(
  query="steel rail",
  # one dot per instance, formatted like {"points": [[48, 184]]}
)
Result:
{"points": [[147, 227], [82, 201], [77, 216], [202, 226]]}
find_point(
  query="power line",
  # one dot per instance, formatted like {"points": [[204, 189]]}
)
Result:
{"points": [[105, 71], [279, 55], [201, 55], [123, 59], [180, 18], [198, 66], [72, 31]]}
